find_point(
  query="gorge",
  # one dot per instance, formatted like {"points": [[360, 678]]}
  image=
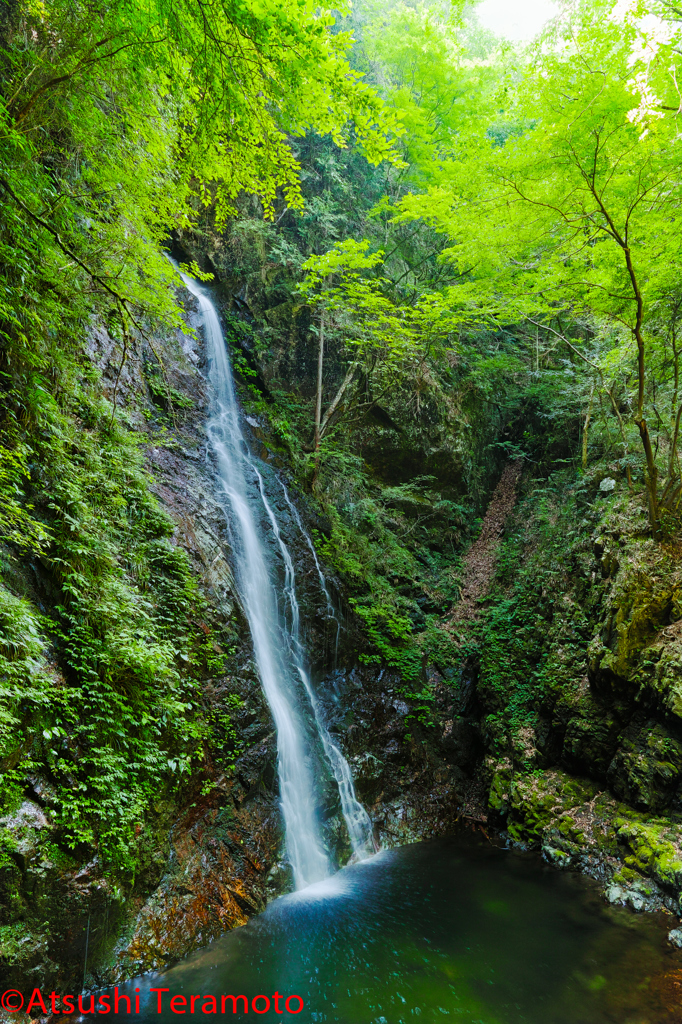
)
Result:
{"points": [[340, 509]]}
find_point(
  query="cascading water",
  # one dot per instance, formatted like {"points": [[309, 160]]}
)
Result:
{"points": [[276, 640], [331, 610], [357, 820]]}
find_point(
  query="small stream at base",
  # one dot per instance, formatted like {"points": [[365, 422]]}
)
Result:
{"points": [[452, 929]]}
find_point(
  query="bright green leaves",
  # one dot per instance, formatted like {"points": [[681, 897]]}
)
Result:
{"points": [[435, 89], [548, 217], [345, 257], [386, 343], [131, 121], [564, 201], [17, 525], [362, 300]]}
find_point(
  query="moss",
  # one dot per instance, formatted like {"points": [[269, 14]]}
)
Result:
{"points": [[541, 801], [399, 581], [626, 875], [531, 810], [18, 942], [500, 789], [533, 636], [640, 609], [656, 850]]}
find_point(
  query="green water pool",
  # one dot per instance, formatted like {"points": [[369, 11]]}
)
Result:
{"points": [[450, 930]]}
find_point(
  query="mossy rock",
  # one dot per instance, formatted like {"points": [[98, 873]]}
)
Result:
{"points": [[656, 850], [500, 789], [638, 614], [647, 769], [540, 799], [668, 676]]}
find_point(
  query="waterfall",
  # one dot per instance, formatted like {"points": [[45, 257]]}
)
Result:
{"points": [[331, 610], [302, 739], [356, 817]]}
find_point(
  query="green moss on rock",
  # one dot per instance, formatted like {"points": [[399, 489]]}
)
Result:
{"points": [[656, 849], [542, 799]]}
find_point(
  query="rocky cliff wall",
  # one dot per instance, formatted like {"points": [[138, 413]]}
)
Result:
{"points": [[206, 851]]}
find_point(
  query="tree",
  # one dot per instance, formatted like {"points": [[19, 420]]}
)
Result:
{"points": [[574, 208], [384, 343], [120, 120]]}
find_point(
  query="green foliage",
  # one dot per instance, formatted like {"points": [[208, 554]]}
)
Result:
{"points": [[561, 201], [346, 257], [15, 942], [16, 522], [388, 550], [429, 78], [532, 639], [118, 126], [226, 739], [102, 696]]}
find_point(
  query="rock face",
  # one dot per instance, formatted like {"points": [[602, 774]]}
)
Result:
{"points": [[211, 853], [590, 767]]}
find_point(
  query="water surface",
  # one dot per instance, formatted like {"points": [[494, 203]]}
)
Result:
{"points": [[454, 929]]}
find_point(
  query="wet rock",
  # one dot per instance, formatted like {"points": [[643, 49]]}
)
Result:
{"points": [[639, 897], [216, 878], [675, 937], [279, 880], [24, 827], [366, 768], [636, 901], [616, 894], [557, 858]]}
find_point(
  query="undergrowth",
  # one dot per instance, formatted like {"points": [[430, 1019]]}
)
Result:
{"points": [[532, 636], [102, 643]]}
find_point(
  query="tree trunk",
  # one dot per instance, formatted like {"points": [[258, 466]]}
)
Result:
{"points": [[318, 400], [337, 398], [650, 471], [650, 476], [586, 428]]}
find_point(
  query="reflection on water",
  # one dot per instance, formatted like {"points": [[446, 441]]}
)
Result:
{"points": [[451, 929]]}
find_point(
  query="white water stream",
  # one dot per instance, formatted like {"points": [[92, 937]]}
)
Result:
{"points": [[331, 610], [357, 820], [302, 737]]}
